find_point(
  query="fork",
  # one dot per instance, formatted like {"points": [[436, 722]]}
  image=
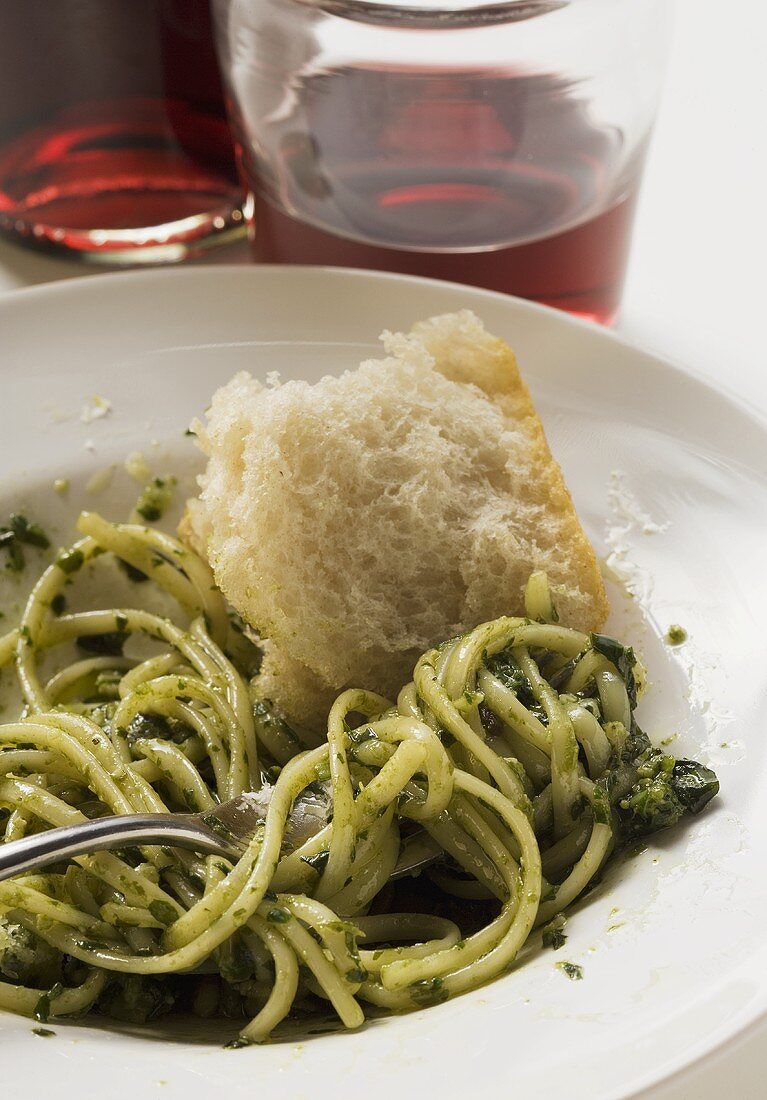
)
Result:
{"points": [[225, 830]]}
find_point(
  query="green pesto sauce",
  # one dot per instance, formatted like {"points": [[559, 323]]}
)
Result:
{"points": [[156, 498], [554, 932], [17, 534], [676, 634], [570, 970]]}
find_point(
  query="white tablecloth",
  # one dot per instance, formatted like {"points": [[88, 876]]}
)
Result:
{"points": [[696, 288]]}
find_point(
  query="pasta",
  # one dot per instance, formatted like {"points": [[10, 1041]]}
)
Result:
{"points": [[513, 754]]}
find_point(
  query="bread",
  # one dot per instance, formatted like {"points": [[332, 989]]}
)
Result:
{"points": [[356, 522]]}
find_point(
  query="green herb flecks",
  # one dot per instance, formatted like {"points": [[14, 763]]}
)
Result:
{"points": [[132, 573], [59, 604], [665, 790], [18, 533], [70, 561], [554, 932], [570, 970], [109, 644], [43, 1007], [156, 498], [429, 991], [163, 911], [317, 862], [277, 915]]}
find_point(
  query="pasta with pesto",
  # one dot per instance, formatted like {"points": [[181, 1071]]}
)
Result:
{"points": [[513, 755]]}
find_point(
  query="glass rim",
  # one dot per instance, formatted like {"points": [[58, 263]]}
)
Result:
{"points": [[437, 14]]}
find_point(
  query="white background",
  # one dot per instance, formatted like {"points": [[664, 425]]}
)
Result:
{"points": [[696, 291]]}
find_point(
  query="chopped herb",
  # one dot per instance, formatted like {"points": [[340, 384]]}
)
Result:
{"points": [[357, 975], [20, 532], [69, 561], [59, 604], [9, 543], [504, 668], [43, 1032], [156, 498], [570, 970], [553, 932], [145, 726], [277, 915], [695, 785], [600, 807], [163, 911], [317, 862], [676, 634], [132, 573], [361, 735], [665, 789], [135, 998], [429, 991], [269, 721], [30, 533], [43, 1007], [109, 644]]}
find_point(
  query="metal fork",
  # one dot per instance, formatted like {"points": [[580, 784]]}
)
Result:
{"points": [[224, 830]]}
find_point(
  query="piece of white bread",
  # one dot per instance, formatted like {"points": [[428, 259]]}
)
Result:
{"points": [[358, 521]]}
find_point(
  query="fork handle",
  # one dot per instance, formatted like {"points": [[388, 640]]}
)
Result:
{"points": [[123, 831]]}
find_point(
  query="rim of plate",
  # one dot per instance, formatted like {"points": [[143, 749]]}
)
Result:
{"points": [[728, 1033], [74, 286]]}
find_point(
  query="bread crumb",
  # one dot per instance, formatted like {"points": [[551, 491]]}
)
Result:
{"points": [[137, 467], [627, 519], [96, 408]]}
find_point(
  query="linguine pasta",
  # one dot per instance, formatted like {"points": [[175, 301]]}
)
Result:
{"points": [[513, 754]]}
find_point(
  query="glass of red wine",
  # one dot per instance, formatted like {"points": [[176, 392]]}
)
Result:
{"points": [[114, 142], [493, 142]]}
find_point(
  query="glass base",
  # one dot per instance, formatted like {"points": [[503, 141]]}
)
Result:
{"points": [[122, 181], [168, 242], [580, 271]]}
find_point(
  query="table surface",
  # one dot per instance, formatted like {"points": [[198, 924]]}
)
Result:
{"points": [[696, 287]]}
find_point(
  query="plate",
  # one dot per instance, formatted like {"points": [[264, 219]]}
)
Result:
{"points": [[670, 478]]}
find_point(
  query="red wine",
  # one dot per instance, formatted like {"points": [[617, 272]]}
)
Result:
{"points": [[113, 133], [499, 180]]}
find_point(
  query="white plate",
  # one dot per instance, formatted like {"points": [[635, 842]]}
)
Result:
{"points": [[673, 951]]}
